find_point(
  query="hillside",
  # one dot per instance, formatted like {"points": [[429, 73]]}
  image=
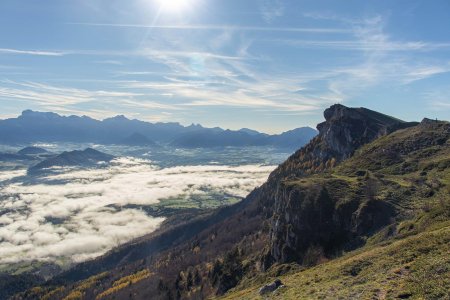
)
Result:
{"points": [[32, 151], [87, 157], [407, 180], [340, 217], [411, 267]]}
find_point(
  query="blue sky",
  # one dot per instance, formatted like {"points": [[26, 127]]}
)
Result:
{"points": [[270, 65]]}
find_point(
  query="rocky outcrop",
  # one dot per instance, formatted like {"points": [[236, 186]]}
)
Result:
{"points": [[347, 129], [271, 287], [316, 218], [344, 130]]}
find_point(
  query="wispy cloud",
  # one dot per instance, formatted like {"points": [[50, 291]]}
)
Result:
{"points": [[441, 105], [135, 73], [359, 45], [438, 99], [109, 62], [271, 9], [30, 52], [65, 100], [199, 67], [381, 59], [221, 27], [152, 53], [199, 75], [47, 94]]}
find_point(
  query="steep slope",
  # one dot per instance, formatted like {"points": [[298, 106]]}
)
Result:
{"points": [[405, 256], [413, 266], [338, 211], [278, 222], [344, 130]]}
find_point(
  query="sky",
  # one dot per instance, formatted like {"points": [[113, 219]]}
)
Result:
{"points": [[270, 65]]}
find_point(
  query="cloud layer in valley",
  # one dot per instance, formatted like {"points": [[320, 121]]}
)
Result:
{"points": [[75, 215]]}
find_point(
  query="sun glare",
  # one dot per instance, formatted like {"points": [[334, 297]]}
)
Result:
{"points": [[173, 5]]}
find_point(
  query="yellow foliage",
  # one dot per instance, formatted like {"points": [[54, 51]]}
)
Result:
{"points": [[37, 290], [124, 282], [75, 295], [52, 293], [134, 277], [91, 281], [112, 290]]}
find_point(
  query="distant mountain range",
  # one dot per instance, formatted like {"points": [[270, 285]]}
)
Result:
{"points": [[32, 126]]}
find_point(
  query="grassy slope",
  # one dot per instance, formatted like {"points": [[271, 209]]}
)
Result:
{"points": [[409, 259], [416, 267]]}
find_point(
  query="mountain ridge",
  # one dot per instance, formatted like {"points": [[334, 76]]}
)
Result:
{"points": [[32, 126]]}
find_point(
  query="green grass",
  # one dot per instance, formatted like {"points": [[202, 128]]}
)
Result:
{"points": [[416, 267], [409, 259], [198, 201]]}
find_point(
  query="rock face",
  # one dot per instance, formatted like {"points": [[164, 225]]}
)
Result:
{"points": [[317, 219], [347, 129], [271, 287], [312, 219], [344, 130]]}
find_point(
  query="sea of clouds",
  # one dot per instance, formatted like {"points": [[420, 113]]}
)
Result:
{"points": [[74, 215]]}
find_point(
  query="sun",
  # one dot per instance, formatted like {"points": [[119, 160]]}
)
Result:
{"points": [[174, 5]]}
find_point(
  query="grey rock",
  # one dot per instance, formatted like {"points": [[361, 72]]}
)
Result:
{"points": [[271, 287]]}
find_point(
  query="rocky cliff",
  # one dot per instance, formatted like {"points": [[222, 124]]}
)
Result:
{"points": [[326, 215], [344, 130], [322, 215]]}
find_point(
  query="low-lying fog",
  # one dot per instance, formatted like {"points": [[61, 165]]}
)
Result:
{"points": [[72, 214]]}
